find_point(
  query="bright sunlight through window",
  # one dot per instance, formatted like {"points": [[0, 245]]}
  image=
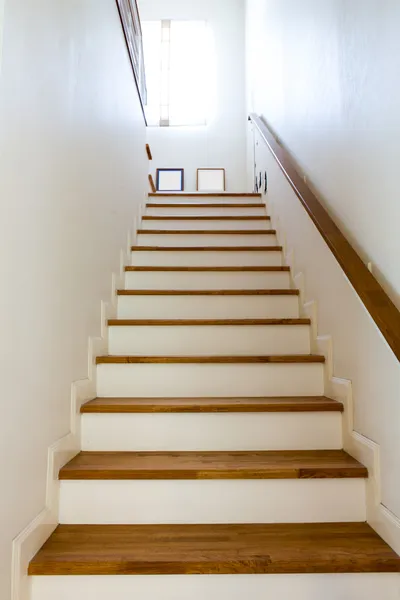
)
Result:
{"points": [[179, 62]]}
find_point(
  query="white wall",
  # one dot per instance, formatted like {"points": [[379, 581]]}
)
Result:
{"points": [[329, 88], [222, 143], [326, 76], [72, 168]]}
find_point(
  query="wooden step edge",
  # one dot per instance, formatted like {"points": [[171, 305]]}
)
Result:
{"points": [[233, 549], [205, 205], [212, 269], [212, 465], [206, 232], [206, 248], [206, 218], [208, 292], [224, 360], [205, 322], [210, 405], [205, 195]]}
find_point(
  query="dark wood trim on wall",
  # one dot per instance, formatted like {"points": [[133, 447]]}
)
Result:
{"points": [[148, 151], [152, 184], [380, 307]]}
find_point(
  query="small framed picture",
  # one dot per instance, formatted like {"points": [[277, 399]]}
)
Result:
{"points": [[170, 180], [211, 180]]}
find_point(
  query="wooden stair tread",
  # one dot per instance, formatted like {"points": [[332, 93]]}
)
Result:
{"points": [[206, 248], [214, 549], [211, 405], [305, 464], [206, 218], [205, 205], [215, 269], [296, 358], [207, 231], [208, 292], [204, 195], [204, 322]]}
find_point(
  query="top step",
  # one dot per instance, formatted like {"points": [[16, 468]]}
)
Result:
{"points": [[198, 198]]}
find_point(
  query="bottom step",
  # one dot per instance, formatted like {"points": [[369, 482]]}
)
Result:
{"points": [[214, 549], [353, 586]]}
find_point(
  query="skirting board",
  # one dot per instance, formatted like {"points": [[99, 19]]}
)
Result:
{"points": [[27, 543]]}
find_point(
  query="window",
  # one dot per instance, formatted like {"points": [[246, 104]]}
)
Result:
{"points": [[179, 72]]}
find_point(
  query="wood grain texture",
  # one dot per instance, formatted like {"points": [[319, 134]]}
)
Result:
{"points": [[207, 205], [376, 301], [211, 405], [222, 360], [206, 195], [206, 231], [204, 322], [212, 269], [152, 184], [214, 549], [305, 464], [206, 248], [206, 218], [208, 292], [148, 152]]}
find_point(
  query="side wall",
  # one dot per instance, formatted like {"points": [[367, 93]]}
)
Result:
{"points": [[222, 143], [72, 170], [325, 76]]}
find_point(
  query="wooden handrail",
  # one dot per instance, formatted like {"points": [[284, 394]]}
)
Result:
{"points": [[380, 307]]}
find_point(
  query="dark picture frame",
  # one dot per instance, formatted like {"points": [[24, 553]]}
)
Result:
{"points": [[162, 187]]}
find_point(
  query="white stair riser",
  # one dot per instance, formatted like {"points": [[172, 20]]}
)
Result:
{"points": [[208, 340], [208, 307], [206, 199], [206, 211], [178, 258], [146, 432], [199, 240], [215, 501], [206, 280], [209, 380], [337, 586], [204, 224]]}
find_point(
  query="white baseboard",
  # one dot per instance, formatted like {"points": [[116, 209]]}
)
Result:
{"points": [[366, 451], [29, 541]]}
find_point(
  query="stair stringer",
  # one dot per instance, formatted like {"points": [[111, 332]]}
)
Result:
{"points": [[365, 450], [28, 542]]}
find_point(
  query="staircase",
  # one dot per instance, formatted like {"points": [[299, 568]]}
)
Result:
{"points": [[211, 449]]}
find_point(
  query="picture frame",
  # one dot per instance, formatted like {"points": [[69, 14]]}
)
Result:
{"points": [[170, 180], [211, 180]]}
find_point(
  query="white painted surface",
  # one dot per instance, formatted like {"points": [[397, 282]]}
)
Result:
{"points": [[202, 224], [338, 586], [206, 280], [209, 380], [72, 170], [212, 431], [215, 501], [212, 239], [325, 74], [182, 258], [208, 307], [193, 211], [207, 340], [222, 142]]}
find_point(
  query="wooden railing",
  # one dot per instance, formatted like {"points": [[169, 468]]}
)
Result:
{"points": [[130, 20], [376, 301]]}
